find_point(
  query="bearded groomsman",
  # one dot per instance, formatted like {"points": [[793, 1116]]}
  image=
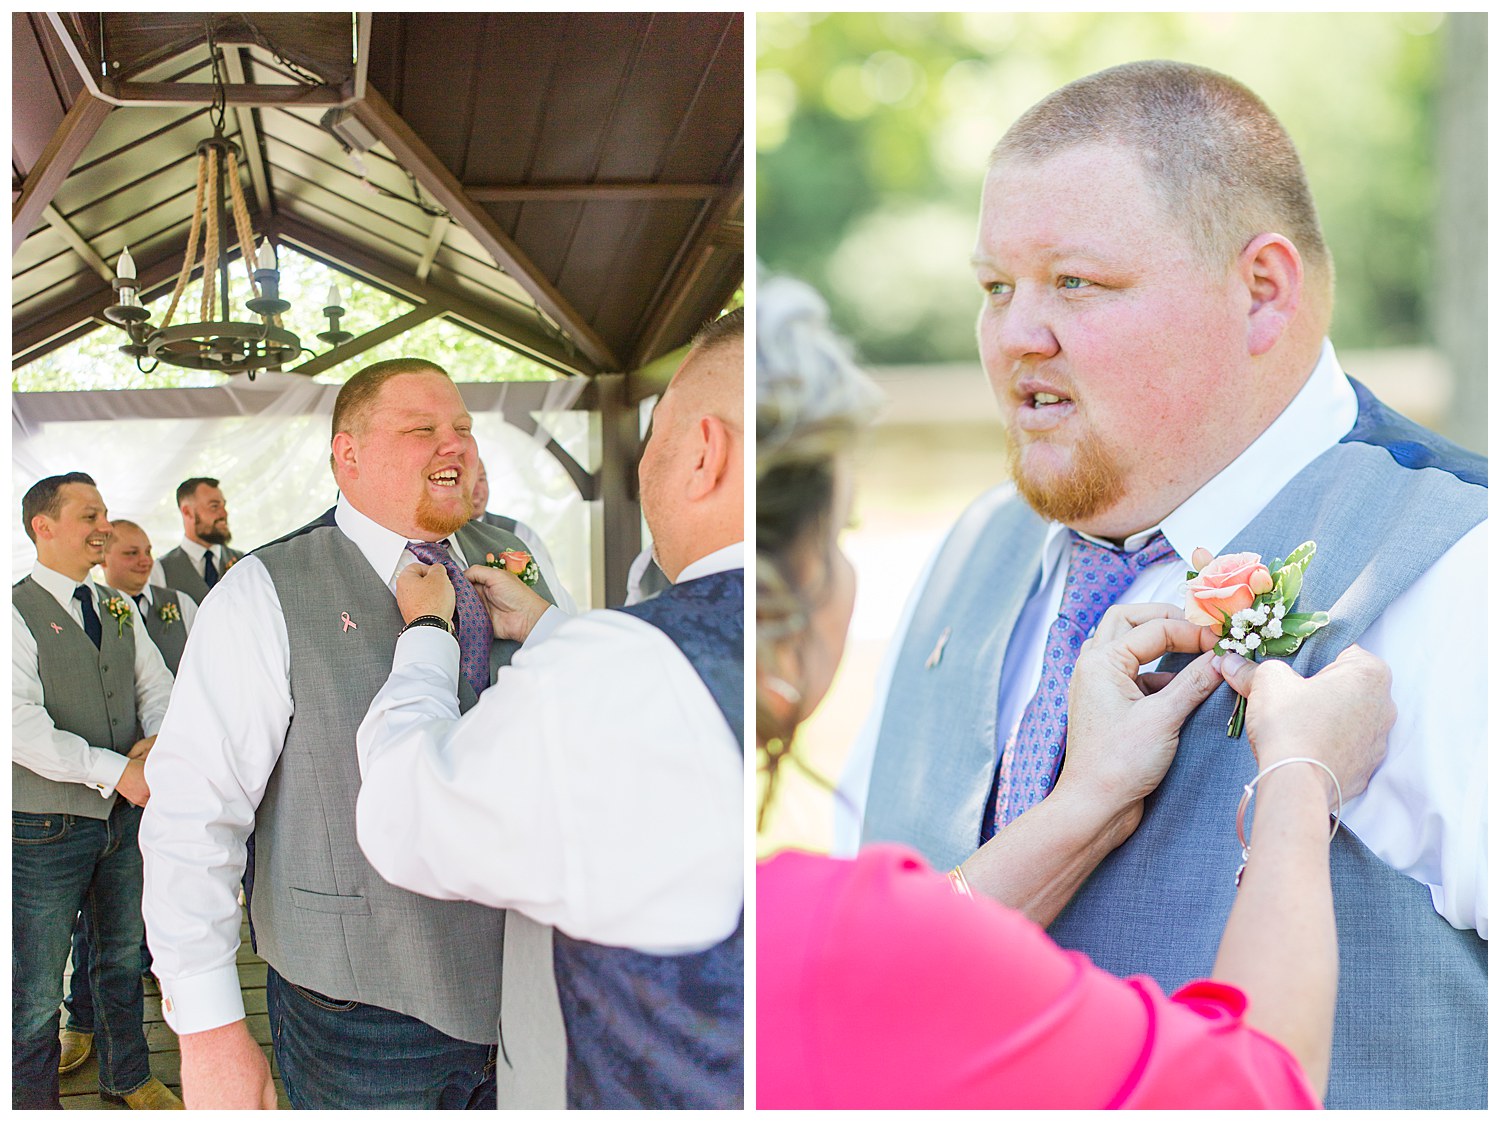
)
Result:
{"points": [[85, 682], [203, 556]]}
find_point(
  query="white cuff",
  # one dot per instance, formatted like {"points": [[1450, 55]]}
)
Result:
{"points": [[203, 1001]]}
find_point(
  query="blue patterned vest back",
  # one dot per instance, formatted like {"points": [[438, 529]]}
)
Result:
{"points": [[666, 1031], [1383, 505]]}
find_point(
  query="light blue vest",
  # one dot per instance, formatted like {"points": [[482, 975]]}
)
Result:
{"points": [[1383, 505]]}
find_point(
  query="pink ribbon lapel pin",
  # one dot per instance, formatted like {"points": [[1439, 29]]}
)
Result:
{"points": [[56, 628], [348, 623]]}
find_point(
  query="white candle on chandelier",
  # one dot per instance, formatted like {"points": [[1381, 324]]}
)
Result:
{"points": [[126, 267], [267, 258], [333, 296]]}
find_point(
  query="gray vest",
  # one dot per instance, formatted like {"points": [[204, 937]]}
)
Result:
{"points": [[179, 572], [88, 692], [1383, 506], [170, 638], [323, 917]]}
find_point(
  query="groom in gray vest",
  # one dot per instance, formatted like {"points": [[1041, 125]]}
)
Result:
{"points": [[378, 998], [1156, 298]]}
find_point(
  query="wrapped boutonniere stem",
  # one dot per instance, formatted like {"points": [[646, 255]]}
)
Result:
{"points": [[1248, 604], [169, 614], [120, 609], [517, 562]]}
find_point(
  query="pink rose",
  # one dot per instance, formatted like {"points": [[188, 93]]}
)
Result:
{"points": [[1225, 585], [515, 560]]}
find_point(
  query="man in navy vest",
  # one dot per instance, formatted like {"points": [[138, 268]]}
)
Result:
{"points": [[614, 813], [1156, 297]]}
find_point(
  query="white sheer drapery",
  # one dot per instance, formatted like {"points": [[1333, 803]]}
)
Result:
{"points": [[267, 442]]}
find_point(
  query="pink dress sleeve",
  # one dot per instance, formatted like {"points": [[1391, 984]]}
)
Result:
{"points": [[877, 987]]}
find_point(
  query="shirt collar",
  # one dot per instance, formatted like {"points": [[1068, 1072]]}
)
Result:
{"points": [[1321, 414], [59, 587], [145, 591], [195, 552], [719, 561], [384, 549]]}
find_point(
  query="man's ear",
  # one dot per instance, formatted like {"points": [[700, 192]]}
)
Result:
{"points": [[1271, 269], [41, 526], [345, 454], [711, 450]]}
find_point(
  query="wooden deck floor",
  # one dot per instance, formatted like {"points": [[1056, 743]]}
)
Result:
{"points": [[80, 1089]]}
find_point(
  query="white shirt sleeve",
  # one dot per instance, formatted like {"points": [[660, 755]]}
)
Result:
{"points": [[36, 743], [618, 820], [1425, 812], [189, 608], [220, 742]]}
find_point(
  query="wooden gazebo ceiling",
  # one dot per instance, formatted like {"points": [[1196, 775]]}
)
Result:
{"points": [[581, 175]]}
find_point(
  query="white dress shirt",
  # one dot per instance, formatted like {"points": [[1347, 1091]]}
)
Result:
{"points": [[195, 554], [208, 771], [595, 786], [1425, 812], [188, 605], [40, 746]]}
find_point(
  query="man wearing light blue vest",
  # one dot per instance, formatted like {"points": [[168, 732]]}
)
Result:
{"points": [[616, 816], [1156, 299]]}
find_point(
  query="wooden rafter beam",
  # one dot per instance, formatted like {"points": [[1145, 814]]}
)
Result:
{"points": [[687, 267], [54, 164], [588, 192], [547, 349], [362, 343], [412, 153], [77, 243], [435, 238], [260, 177], [238, 94], [731, 234]]}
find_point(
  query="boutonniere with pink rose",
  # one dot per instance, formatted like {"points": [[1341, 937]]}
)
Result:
{"points": [[169, 614], [518, 563], [1248, 604], [120, 609]]}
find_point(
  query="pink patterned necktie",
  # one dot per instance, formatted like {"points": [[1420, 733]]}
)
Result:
{"points": [[1097, 577], [474, 630]]}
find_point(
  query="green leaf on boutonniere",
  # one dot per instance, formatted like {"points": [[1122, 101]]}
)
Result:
{"points": [[1301, 556], [1288, 584], [1303, 624], [1281, 647]]}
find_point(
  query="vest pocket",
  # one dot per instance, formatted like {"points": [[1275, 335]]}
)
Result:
{"points": [[311, 901], [35, 829]]}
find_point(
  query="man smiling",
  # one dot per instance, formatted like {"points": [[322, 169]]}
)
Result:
{"points": [[84, 680], [1156, 294], [204, 555], [378, 998]]}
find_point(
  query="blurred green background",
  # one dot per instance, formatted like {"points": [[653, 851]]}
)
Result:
{"points": [[873, 132]]}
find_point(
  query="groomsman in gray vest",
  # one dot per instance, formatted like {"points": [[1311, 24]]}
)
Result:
{"points": [[85, 682], [618, 820], [1156, 298], [531, 540], [167, 613], [203, 556], [378, 998]]}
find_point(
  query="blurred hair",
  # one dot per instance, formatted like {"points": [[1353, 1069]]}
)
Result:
{"points": [[45, 497], [189, 487], [357, 396], [811, 403], [115, 525], [1219, 160]]}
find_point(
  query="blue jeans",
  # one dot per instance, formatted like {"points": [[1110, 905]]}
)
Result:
{"points": [[342, 1055], [63, 864], [80, 1000]]}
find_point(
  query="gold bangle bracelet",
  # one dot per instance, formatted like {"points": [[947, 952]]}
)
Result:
{"points": [[958, 882]]}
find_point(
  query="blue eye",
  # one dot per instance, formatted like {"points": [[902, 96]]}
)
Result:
{"points": [[1073, 282], [999, 288]]}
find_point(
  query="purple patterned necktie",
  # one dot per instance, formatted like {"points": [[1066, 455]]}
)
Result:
{"points": [[1097, 577], [474, 630]]}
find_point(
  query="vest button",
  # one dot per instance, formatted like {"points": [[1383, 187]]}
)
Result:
{"points": [[109, 693], [102, 666], [114, 720]]}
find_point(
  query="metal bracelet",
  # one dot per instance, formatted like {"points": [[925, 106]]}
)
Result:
{"points": [[1239, 818], [428, 621]]}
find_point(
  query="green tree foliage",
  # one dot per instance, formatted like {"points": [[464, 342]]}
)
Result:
{"points": [[873, 131]]}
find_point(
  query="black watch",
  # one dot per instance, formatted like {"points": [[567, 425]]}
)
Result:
{"points": [[430, 621]]}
